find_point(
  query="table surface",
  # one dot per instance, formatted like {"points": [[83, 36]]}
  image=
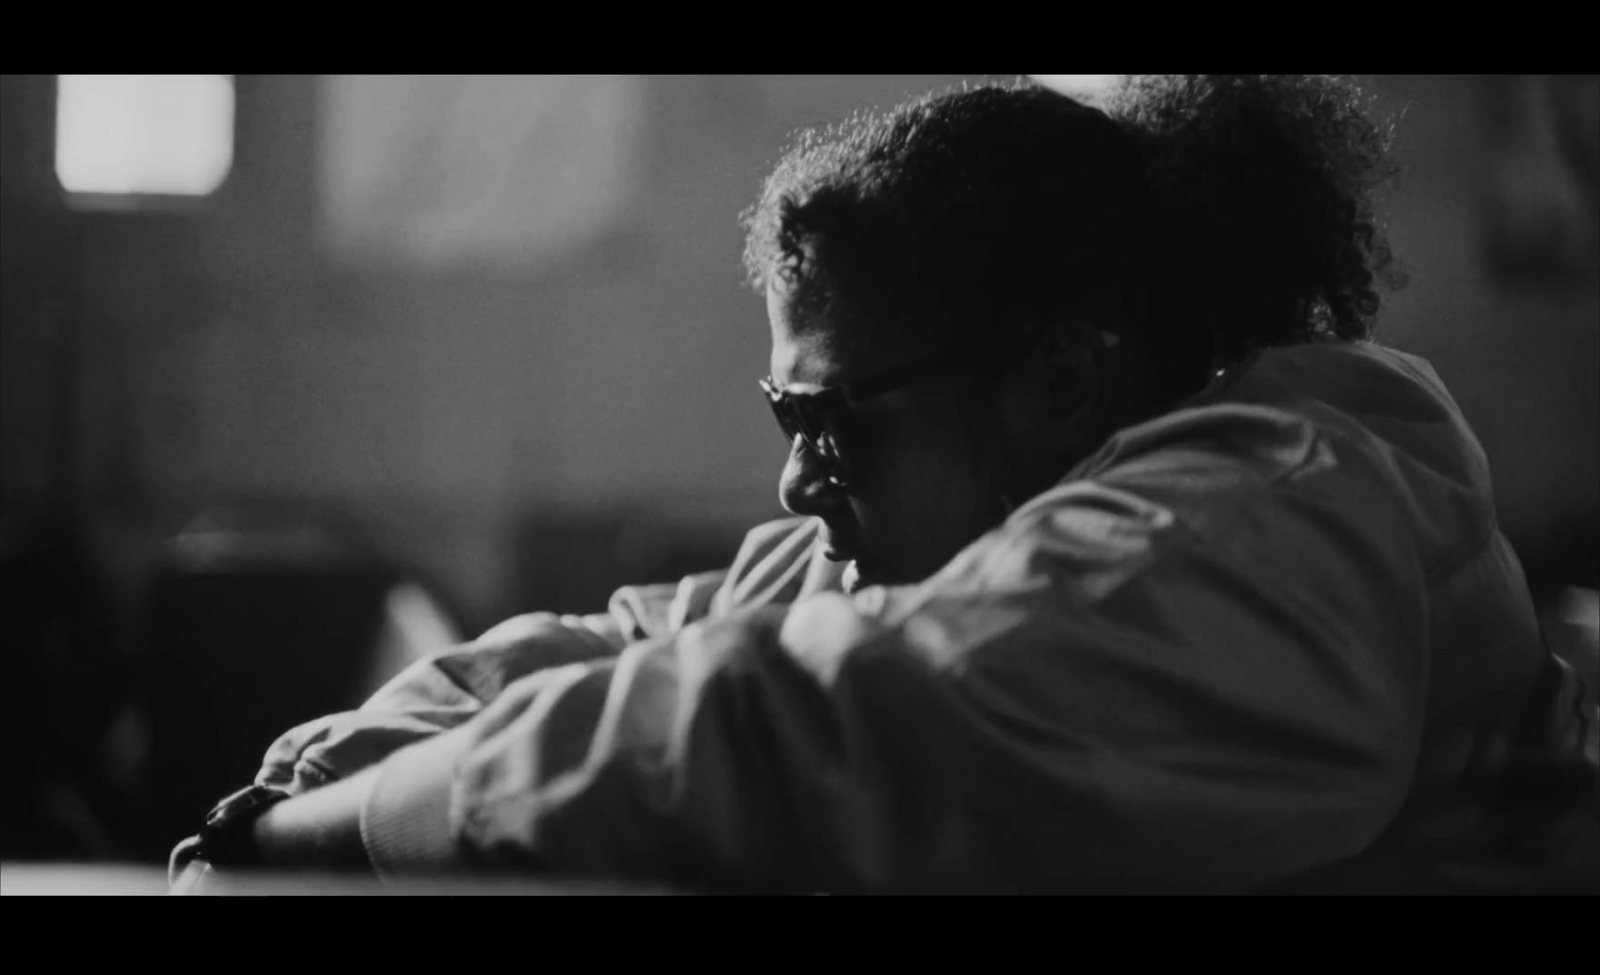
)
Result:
{"points": [[29, 879]]}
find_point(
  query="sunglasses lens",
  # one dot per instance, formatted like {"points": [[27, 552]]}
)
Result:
{"points": [[796, 419], [786, 421], [806, 422]]}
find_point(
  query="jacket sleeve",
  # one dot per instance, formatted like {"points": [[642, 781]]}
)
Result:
{"points": [[443, 690], [434, 694], [1091, 699]]}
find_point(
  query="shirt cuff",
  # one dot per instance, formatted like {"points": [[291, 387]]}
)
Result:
{"points": [[405, 819]]}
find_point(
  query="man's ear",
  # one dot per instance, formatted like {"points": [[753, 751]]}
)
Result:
{"points": [[1060, 390]]}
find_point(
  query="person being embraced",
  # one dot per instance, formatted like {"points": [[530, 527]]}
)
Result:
{"points": [[1123, 559]]}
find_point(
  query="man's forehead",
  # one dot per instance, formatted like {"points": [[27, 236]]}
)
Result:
{"points": [[805, 357], [819, 342]]}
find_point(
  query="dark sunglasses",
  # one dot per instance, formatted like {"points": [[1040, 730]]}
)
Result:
{"points": [[812, 416]]}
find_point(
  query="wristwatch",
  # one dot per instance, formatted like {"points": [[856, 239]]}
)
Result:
{"points": [[226, 839]]}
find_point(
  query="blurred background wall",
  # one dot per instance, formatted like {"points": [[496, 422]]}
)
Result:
{"points": [[490, 335], [231, 351]]}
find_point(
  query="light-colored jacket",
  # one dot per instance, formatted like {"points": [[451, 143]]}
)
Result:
{"points": [[1271, 641]]}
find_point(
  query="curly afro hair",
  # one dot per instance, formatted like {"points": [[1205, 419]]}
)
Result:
{"points": [[1208, 216]]}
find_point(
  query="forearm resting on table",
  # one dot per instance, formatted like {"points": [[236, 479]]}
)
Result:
{"points": [[319, 830]]}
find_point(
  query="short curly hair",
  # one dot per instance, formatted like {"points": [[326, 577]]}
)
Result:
{"points": [[1209, 215]]}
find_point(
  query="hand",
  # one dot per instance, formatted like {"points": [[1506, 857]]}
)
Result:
{"points": [[319, 830]]}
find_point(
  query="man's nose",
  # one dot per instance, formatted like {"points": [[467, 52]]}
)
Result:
{"points": [[805, 488]]}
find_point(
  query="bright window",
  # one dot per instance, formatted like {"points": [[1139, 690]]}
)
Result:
{"points": [[160, 135]]}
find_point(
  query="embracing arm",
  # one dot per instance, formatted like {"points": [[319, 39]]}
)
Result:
{"points": [[435, 694], [320, 829], [444, 690], [1065, 709]]}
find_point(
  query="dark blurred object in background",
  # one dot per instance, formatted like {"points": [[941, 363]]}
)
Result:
{"points": [[1543, 210], [66, 682], [146, 685], [254, 623]]}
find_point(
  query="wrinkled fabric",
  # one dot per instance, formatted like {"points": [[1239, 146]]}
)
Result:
{"points": [[1271, 641]]}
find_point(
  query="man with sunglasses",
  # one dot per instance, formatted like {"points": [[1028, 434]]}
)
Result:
{"points": [[1118, 564]]}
